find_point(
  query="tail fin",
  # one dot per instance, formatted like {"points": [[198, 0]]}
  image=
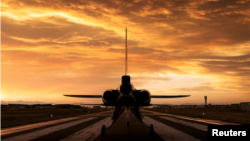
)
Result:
{"points": [[126, 78], [126, 61]]}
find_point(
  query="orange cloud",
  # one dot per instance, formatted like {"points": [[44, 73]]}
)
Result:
{"points": [[49, 48]]}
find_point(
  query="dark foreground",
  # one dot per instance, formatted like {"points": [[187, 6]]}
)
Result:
{"points": [[88, 127]]}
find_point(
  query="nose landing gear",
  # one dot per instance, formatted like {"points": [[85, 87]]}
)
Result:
{"points": [[127, 115], [152, 129]]}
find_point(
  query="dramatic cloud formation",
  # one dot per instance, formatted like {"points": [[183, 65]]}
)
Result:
{"points": [[49, 48]]}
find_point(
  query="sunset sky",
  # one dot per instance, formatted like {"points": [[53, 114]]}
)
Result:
{"points": [[185, 47]]}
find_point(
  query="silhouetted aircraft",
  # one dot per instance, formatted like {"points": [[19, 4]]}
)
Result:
{"points": [[126, 97]]}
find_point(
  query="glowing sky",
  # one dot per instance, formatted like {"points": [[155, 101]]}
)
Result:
{"points": [[55, 47]]}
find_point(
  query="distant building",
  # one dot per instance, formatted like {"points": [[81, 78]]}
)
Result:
{"points": [[41, 106], [225, 106], [63, 106], [66, 106], [245, 106], [235, 105], [200, 106], [18, 106], [175, 106], [76, 106], [4, 107], [163, 106], [214, 106], [191, 106], [183, 106], [96, 106]]}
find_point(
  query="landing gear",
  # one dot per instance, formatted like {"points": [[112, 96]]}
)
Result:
{"points": [[103, 130], [127, 115], [152, 129], [137, 113], [117, 112]]}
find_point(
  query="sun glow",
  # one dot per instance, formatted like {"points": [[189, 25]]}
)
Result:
{"points": [[3, 95], [76, 47]]}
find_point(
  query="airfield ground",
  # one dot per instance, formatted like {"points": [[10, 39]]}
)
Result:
{"points": [[234, 115], [26, 116], [88, 126], [17, 117]]}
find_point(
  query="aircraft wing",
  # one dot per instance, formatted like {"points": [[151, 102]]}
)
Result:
{"points": [[168, 96], [85, 96]]}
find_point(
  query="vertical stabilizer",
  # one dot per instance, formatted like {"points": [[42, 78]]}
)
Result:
{"points": [[126, 60], [126, 78]]}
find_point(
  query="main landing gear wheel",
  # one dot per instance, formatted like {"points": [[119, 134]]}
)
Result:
{"points": [[103, 130], [152, 129], [127, 123]]}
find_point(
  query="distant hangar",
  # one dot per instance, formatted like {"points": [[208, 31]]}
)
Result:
{"points": [[245, 106]]}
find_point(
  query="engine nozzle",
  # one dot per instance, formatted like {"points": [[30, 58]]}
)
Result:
{"points": [[126, 88], [108, 95], [144, 96]]}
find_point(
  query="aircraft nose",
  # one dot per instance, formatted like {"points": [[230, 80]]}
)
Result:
{"points": [[126, 88]]}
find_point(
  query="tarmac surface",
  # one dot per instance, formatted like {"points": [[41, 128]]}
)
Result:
{"points": [[88, 127], [136, 131]]}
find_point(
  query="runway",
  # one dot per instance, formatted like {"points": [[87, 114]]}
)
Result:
{"points": [[88, 127]]}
